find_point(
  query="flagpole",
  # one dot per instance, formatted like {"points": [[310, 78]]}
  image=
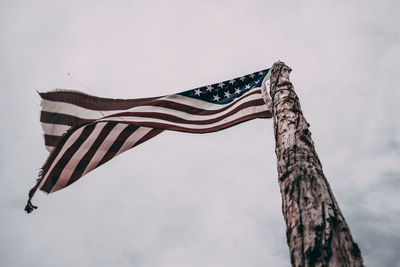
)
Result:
{"points": [[316, 231]]}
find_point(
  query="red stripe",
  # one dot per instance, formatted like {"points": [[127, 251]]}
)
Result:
{"points": [[176, 119], [118, 143], [84, 162], [51, 140], [59, 118], [93, 102]]}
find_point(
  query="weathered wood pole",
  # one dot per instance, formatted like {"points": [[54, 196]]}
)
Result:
{"points": [[317, 233]]}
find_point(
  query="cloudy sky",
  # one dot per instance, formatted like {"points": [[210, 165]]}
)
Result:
{"points": [[198, 200]]}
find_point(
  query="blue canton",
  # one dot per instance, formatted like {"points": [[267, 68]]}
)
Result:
{"points": [[227, 91]]}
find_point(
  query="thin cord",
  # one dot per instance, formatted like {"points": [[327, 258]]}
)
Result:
{"points": [[87, 88], [84, 85]]}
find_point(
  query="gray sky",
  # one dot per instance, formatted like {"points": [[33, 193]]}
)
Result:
{"points": [[198, 200]]}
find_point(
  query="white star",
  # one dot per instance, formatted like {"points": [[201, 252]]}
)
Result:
{"points": [[232, 81], [242, 78], [252, 75], [227, 94], [237, 90], [247, 86], [216, 98], [197, 92], [209, 88], [221, 85], [261, 73]]}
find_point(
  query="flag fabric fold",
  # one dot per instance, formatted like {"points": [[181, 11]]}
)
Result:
{"points": [[82, 132]]}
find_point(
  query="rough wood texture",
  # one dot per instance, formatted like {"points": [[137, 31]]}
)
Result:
{"points": [[317, 233]]}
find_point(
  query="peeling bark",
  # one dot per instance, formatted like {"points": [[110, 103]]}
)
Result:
{"points": [[317, 233]]}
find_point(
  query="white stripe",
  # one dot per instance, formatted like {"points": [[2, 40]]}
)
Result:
{"points": [[241, 113], [54, 129], [105, 145], [76, 158], [67, 144], [73, 110], [131, 140], [197, 103]]}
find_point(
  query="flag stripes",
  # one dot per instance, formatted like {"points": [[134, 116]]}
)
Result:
{"points": [[83, 132], [74, 156], [165, 112], [75, 114]]}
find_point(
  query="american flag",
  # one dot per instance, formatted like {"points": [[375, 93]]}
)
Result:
{"points": [[82, 132]]}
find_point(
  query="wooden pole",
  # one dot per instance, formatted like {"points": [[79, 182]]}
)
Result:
{"points": [[316, 231]]}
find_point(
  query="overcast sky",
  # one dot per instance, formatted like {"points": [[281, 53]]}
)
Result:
{"points": [[198, 200]]}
